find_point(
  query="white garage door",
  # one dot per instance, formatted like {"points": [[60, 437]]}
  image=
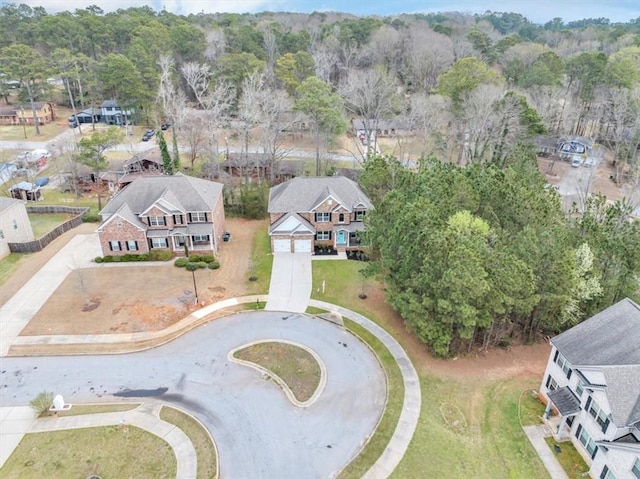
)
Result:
{"points": [[302, 246], [281, 246]]}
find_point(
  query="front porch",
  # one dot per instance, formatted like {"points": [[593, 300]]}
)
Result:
{"points": [[347, 236], [568, 406]]}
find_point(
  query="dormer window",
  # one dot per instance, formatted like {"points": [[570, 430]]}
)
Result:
{"points": [[341, 217]]}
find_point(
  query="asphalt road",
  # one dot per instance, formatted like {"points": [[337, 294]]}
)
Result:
{"points": [[258, 432]]}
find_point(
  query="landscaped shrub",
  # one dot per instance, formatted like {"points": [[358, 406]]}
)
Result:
{"points": [[181, 262], [42, 402], [214, 265], [99, 259], [207, 258], [91, 218], [201, 264], [191, 266], [194, 258], [161, 255]]}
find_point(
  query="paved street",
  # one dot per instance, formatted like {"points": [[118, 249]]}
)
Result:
{"points": [[258, 432]]}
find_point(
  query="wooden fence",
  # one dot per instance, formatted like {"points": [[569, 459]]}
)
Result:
{"points": [[40, 243]]}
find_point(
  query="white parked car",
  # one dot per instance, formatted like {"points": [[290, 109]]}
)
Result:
{"points": [[576, 161]]}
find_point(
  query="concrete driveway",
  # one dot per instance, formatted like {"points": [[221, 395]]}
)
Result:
{"points": [[18, 311], [258, 432], [290, 286]]}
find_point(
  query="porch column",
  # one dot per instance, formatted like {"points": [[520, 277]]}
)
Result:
{"points": [[547, 410], [563, 422], [211, 243]]}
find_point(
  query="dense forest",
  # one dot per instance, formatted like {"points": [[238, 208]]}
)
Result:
{"points": [[473, 245]]}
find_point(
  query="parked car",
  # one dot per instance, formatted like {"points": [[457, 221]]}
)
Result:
{"points": [[576, 161], [148, 135], [165, 126], [226, 236], [73, 124]]}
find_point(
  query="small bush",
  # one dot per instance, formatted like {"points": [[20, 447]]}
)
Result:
{"points": [[107, 259], [201, 264], [194, 258], [181, 262], [99, 259], [91, 218], [160, 255], [214, 265], [207, 258], [191, 266], [42, 402]]}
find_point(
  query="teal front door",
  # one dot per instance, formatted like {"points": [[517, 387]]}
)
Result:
{"points": [[341, 238]]}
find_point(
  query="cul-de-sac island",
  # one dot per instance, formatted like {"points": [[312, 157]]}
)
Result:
{"points": [[368, 244]]}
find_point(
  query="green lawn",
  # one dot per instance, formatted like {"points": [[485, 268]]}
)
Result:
{"points": [[261, 263], [487, 442], [293, 365], [56, 197], [205, 450], [110, 451], [569, 458], [43, 223], [17, 132], [9, 264], [80, 409]]}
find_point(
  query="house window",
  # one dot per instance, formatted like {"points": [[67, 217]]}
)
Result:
{"points": [[560, 360], [157, 221], [115, 246], [635, 470], [551, 383], [579, 388], [597, 414], [606, 473], [199, 217], [177, 219], [341, 217], [132, 245], [200, 239], [158, 242], [323, 235], [586, 441], [360, 215], [323, 217]]}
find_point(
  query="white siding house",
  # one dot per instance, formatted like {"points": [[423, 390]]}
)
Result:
{"points": [[14, 224], [592, 382]]}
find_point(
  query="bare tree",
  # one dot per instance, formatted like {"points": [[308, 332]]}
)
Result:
{"points": [[370, 95], [215, 101], [326, 57], [427, 55], [269, 110], [431, 115], [216, 44], [271, 48]]}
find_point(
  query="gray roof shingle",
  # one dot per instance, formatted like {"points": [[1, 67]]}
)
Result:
{"points": [[302, 194], [610, 338], [623, 393], [6, 203], [194, 194]]}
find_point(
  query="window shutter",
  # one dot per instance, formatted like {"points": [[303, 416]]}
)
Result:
{"points": [[605, 426], [315, 217], [110, 246], [136, 242], [555, 356], [127, 244], [330, 233], [569, 373], [578, 430], [588, 403]]}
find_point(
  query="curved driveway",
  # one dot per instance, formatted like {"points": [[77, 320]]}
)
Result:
{"points": [[259, 434]]}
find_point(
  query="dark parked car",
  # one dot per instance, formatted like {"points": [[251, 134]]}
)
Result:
{"points": [[226, 236], [165, 125], [148, 134]]}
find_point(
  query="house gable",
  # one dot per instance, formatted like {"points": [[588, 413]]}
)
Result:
{"points": [[329, 203], [291, 224], [113, 220]]}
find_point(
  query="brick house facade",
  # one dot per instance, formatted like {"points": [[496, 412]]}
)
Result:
{"points": [[164, 213], [592, 386], [306, 212]]}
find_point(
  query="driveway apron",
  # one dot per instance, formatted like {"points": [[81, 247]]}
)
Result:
{"points": [[290, 287], [20, 309]]}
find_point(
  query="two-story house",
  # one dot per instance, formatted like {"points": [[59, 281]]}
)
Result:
{"points": [[113, 114], [309, 211], [592, 382], [164, 213]]}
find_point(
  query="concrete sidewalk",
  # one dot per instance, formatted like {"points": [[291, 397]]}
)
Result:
{"points": [[145, 417], [290, 286], [536, 435], [18, 311]]}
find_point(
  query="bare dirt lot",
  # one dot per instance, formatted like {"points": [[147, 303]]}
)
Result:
{"points": [[121, 299]]}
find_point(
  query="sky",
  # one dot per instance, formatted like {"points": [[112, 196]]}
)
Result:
{"points": [[539, 11]]}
